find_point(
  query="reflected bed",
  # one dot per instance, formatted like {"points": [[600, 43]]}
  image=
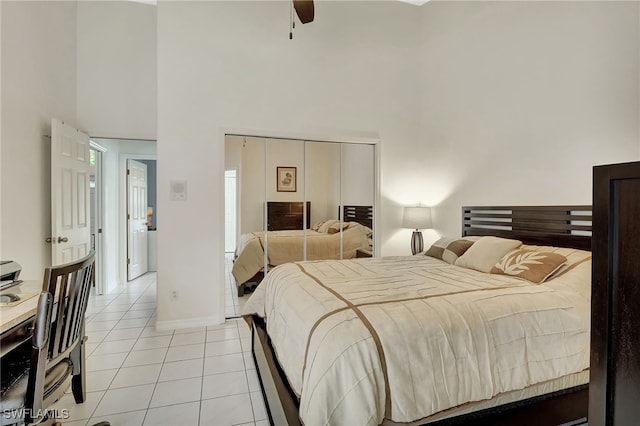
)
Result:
{"points": [[331, 239], [288, 246]]}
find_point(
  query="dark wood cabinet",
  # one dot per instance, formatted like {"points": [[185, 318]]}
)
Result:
{"points": [[614, 389], [283, 215]]}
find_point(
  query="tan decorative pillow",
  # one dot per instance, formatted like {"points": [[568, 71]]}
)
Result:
{"points": [[449, 249], [486, 252], [534, 266], [574, 257], [324, 228], [336, 227]]}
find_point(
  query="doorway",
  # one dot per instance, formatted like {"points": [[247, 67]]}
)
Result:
{"points": [[137, 223], [114, 204], [140, 215], [230, 210], [96, 191]]}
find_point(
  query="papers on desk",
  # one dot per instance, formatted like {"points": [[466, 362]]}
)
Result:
{"points": [[8, 284]]}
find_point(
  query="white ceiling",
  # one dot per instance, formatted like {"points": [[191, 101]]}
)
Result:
{"points": [[415, 2]]}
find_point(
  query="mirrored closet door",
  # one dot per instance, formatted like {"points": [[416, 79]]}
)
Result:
{"points": [[299, 200]]}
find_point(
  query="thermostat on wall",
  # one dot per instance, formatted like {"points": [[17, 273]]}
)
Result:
{"points": [[178, 190]]}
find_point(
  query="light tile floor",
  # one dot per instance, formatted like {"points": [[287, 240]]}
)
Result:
{"points": [[139, 376]]}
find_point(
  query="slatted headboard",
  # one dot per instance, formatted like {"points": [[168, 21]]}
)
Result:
{"points": [[360, 214], [562, 226]]}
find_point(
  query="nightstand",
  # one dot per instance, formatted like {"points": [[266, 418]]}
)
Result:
{"points": [[360, 253]]}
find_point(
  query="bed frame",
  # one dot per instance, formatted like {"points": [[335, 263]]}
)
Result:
{"points": [[361, 214], [565, 226]]}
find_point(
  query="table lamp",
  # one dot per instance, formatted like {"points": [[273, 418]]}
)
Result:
{"points": [[416, 218]]}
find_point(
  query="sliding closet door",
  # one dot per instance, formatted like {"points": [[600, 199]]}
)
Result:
{"points": [[289, 185], [250, 174], [323, 194], [358, 195], [285, 206]]}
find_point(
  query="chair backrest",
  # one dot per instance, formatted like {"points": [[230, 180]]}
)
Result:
{"points": [[70, 285], [59, 322]]}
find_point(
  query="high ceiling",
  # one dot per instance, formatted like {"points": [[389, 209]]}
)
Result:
{"points": [[415, 2]]}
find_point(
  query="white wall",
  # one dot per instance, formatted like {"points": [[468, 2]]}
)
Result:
{"points": [[117, 70], [231, 65], [521, 99], [38, 84], [91, 64]]}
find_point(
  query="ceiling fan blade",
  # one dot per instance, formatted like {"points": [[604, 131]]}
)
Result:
{"points": [[304, 10]]}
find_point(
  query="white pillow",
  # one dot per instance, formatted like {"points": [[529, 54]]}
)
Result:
{"points": [[486, 252]]}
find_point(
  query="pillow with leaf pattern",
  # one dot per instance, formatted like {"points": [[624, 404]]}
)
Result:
{"points": [[534, 266]]}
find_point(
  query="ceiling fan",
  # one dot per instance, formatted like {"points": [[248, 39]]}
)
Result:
{"points": [[304, 10]]}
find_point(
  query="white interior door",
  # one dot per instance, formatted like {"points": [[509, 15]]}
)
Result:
{"points": [[70, 201], [137, 248]]}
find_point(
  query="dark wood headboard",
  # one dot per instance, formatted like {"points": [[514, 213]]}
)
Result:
{"points": [[361, 214], [561, 226], [287, 215]]}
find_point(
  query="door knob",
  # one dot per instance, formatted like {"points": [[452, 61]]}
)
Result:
{"points": [[62, 240]]}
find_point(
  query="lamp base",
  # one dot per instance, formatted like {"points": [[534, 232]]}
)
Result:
{"points": [[416, 242]]}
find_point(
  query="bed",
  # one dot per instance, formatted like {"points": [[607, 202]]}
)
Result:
{"points": [[323, 241], [419, 339]]}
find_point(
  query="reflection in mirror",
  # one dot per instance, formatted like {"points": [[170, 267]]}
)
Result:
{"points": [[246, 155], [323, 190], [358, 194], [297, 200], [287, 214]]}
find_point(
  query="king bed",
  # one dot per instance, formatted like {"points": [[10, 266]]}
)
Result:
{"points": [[479, 328]]}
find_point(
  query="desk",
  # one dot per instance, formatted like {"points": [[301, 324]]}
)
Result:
{"points": [[16, 321]]}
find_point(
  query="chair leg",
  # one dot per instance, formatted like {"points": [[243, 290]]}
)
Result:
{"points": [[78, 381]]}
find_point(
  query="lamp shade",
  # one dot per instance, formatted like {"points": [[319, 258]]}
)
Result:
{"points": [[416, 218]]}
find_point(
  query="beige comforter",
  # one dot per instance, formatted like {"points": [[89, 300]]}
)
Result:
{"points": [[406, 337], [288, 246]]}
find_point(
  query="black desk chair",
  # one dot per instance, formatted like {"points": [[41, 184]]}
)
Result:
{"points": [[38, 373]]}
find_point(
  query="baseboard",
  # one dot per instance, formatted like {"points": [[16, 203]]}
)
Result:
{"points": [[188, 323]]}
